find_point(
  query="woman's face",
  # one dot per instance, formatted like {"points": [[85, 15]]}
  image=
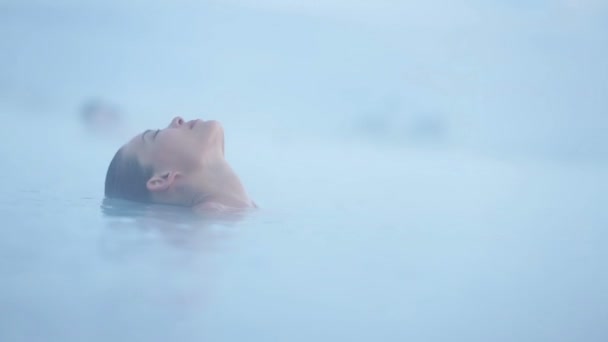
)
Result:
{"points": [[182, 146]]}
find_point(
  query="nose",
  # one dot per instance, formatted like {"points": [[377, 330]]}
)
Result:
{"points": [[176, 122]]}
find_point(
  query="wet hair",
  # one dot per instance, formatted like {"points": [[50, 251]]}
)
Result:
{"points": [[127, 178]]}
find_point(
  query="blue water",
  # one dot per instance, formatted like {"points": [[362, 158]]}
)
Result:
{"points": [[426, 171]]}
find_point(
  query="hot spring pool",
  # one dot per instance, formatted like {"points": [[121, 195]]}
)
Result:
{"points": [[353, 241]]}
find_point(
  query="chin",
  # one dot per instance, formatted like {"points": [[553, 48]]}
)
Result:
{"points": [[212, 134], [213, 125]]}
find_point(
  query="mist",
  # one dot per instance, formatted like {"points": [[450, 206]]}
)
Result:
{"points": [[425, 170]]}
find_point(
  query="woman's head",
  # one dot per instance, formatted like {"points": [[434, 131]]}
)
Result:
{"points": [[127, 177], [180, 164]]}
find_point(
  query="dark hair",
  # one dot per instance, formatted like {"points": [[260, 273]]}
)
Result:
{"points": [[126, 178]]}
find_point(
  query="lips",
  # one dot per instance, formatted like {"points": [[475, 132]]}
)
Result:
{"points": [[192, 123]]}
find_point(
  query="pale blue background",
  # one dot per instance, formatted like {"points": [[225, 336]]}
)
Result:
{"points": [[427, 171]]}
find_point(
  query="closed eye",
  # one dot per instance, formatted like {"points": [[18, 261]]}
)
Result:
{"points": [[155, 134]]}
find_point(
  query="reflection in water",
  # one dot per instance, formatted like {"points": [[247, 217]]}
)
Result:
{"points": [[173, 284], [178, 226]]}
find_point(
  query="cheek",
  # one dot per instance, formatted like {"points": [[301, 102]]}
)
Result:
{"points": [[168, 142], [165, 149], [175, 150]]}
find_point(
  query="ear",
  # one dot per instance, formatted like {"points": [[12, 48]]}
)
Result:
{"points": [[162, 181]]}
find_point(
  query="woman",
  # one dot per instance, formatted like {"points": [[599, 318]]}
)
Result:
{"points": [[182, 164]]}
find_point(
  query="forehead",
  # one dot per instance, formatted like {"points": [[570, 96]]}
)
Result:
{"points": [[136, 142], [137, 146]]}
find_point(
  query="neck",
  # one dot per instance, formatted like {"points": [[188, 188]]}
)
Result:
{"points": [[218, 186]]}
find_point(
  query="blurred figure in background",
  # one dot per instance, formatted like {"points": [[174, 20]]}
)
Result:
{"points": [[102, 118]]}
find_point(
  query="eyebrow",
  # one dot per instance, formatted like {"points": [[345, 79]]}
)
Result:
{"points": [[143, 136]]}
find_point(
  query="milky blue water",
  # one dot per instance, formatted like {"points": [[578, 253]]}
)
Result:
{"points": [[426, 171]]}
